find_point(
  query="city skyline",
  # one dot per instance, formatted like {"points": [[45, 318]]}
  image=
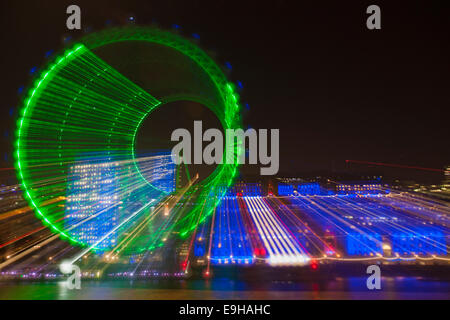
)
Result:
{"points": [[314, 141]]}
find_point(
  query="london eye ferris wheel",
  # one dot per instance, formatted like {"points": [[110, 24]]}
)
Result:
{"points": [[76, 136]]}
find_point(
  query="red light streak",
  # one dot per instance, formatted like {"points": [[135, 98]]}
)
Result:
{"points": [[394, 165]]}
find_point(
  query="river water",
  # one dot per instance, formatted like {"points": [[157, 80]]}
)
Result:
{"points": [[337, 288]]}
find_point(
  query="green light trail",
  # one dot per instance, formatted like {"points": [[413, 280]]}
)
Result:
{"points": [[81, 107]]}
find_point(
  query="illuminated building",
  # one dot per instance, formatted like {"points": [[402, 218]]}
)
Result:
{"points": [[366, 187], [243, 189], [182, 254], [93, 194], [248, 189], [312, 188], [446, 182], [181, 176], [285, 189], [162, 171], [422, 241], [307, 188]]}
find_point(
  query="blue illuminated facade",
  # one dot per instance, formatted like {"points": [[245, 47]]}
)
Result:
{"points": [[423, 241], [285, 190], [302, 189], [358, 244], [93, 192], [244, 189], [231, 243], [161, 171]]}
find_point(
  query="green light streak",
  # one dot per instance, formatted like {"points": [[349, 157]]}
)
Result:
{"points": [[82, 106]]}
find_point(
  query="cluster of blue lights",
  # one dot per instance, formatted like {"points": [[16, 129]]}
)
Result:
{"points": [[93, 188], [303, 189], [358, 244], [231, 244]]}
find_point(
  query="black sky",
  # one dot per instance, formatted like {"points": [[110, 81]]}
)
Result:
{"points": [[335, 89]]}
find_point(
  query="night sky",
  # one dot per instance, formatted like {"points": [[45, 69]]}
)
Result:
{"points": [[335, 89]]}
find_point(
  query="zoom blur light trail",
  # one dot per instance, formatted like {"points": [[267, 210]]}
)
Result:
{"points": [[423, 237], [302, 231], [80, 107], [281, 245], [231, 243], [376, 226], [394, 165], [337, 226]]}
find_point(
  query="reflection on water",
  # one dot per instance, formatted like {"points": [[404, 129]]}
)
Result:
{"points": [[338, 288]]}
